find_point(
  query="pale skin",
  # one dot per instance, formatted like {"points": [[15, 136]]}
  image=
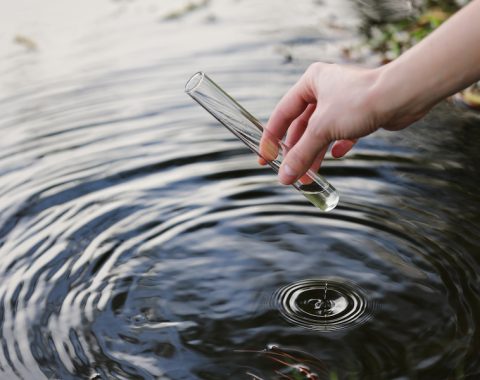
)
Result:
{"points": [[338, 104]]}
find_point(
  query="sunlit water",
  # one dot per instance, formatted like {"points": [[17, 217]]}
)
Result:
{"points": [[141, 240]]}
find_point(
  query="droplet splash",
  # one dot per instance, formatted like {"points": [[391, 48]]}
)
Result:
{"points": [[324, 304]]}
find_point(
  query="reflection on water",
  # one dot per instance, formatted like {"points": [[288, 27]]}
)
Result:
{"points": [[140, 240]]}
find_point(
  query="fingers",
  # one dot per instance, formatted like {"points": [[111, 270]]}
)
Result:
{"points": [[268, 148], [290, 107], [296, 131], [299, 125], [261, 161], [303, 154], [269, 144], [306, 179], [342, 147]]}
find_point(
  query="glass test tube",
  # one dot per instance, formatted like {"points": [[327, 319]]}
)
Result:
{"points": [[249, 130]]}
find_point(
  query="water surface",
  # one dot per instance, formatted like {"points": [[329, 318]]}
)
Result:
{"points": [[140, 240]]}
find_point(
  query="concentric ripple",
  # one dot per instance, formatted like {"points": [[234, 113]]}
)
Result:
{"points": [[140, 240], [325, 304]]}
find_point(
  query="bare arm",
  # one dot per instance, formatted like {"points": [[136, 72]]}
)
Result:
{"points": [[443, 63], [335, 103]]}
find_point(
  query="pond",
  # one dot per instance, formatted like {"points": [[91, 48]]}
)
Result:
{"points": [[139, 239]]}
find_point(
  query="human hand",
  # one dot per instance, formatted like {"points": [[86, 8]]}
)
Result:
{"points": [[333, 103]]}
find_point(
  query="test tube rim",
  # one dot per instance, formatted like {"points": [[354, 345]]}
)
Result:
{"points": [[194, 82]]}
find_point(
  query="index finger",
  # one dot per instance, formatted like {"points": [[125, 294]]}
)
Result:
{"points": [[291, 106]]}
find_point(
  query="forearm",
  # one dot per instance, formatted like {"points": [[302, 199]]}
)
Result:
{"points": [[445, 62], [340, 104]]}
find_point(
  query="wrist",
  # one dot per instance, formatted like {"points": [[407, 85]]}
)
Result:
{"points": [[397, 97]]}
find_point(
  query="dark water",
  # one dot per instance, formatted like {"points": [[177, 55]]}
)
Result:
{"points": [[140, 240]]}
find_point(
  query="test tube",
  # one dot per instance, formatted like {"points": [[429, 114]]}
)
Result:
{"points": [[249, 130]]}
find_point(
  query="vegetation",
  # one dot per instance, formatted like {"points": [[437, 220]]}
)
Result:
{"points": [[387, 40], [390, 39]]}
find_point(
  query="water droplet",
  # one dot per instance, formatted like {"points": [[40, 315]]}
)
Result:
{"points": [[271, 347], [324, 304]]}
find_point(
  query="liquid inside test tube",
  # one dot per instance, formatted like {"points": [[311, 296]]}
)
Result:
{"points": [[250, 131]]}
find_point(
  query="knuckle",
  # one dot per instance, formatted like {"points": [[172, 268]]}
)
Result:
{"points": [[312, 67], [321, 132], [297, 160], [315, 67], [282, 117], [318, 133]]}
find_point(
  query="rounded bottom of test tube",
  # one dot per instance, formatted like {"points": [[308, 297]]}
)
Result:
{"points": [[325, 199]]}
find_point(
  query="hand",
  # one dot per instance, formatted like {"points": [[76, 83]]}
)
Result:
{"points": [[333, 103]]}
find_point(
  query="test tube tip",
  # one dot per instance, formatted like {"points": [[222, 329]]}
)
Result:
{"points": [[194, 82]]}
